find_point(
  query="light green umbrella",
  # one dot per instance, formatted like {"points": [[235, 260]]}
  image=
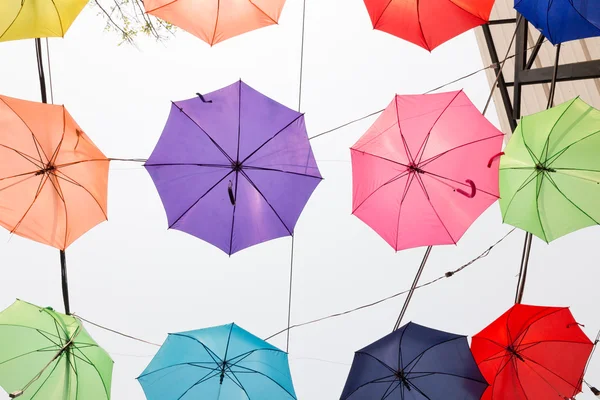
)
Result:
{"points": [[550, 172], [46, 355]]}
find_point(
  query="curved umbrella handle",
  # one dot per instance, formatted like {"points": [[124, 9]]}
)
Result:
{"points": [[203, 99], [473, 190], [230, 191], [494, 158]]}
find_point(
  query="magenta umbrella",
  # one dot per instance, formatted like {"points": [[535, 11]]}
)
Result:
{"points": [[422, 173], [234, 168]]}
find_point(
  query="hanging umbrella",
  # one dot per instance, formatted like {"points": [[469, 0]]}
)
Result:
{"points": [[28, 19], [222, 362], [53, 179], [562, 20], [420, 174], [50, 356], [549, 175], [234, 168], [215, 21], [532, 353], [428, 23], [417, 363]]}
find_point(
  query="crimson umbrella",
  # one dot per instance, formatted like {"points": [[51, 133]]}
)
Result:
{"points": [[532, 353], [428, 23]]}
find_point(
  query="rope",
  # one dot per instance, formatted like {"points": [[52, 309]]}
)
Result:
{"points": [[427, 92], [446, 275], [289, 319], [115, 331], [49, 72]]}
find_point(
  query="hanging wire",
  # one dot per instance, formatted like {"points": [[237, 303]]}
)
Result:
{"points": [[49, 72], [493, 65], [448, 274], [115, 331]]}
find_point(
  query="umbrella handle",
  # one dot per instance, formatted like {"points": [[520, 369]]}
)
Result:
{"points": [[494, 158], [230, 191], [203, 99], [473, 190]]}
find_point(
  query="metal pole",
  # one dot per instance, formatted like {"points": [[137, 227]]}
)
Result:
{"points": [[413, 287], [63, 258], [529, 236]]}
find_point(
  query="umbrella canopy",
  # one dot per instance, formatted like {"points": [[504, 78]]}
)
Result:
{"points": [[215, 21], [222, 362], [428, 23], [550, 173], [28, 19], [417, 363], [234, 168], [48, 355], [532, 353], [420, 174], [562, 20], [53, 179]]}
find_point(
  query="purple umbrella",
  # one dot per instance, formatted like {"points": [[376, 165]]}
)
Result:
{"points": [[234, 168]]}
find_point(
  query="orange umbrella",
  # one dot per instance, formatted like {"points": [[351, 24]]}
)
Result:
{"points": [[53, 179], [216, 20]]}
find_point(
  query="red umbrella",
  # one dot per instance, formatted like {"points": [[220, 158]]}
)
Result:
{"points": [[428, 23], [532, 353]]}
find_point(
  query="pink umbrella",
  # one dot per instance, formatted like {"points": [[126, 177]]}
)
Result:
{"points": [[422, 173]]}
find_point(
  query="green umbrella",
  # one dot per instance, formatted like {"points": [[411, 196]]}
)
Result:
{"points": [[550, 172], [46, 355]]}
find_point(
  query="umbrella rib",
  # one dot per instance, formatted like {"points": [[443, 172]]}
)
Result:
{"points": [[378, 360], [391, 180], [569, 200], [48, 377], [228, 341], [267, 201], [435, 345], [75, 183], [46, 333], [13, 21], [547, 144], [423, 163], [279, 170], [562, 151], [164, 5], [95, 368], [421, 26], [237, 157], [202, 380], [16, 183], [238, 383], [537, 201], [216, 358], [357, 148], [191, 364], [261, 10], [378, 380], [411, 177], [272, 137], [547, 369], [435, 211], [201, 197], [269, 378], [206, 133], [27, 157], [62, 30], [214, 35], [35, 141], [419, 390], [527, 181], [28, 353], [444, 373], [38, 191], [388, 392], [381, 15], [182, 164], [61, 195], [426, 140], [406, 148], [577, 177]]}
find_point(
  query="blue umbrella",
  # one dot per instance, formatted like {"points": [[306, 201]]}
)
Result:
{"points": [[562, 20], [415, 363], [223, 362]]}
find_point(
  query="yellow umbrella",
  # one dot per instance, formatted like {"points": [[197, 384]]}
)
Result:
{"points": [[29, 19]]}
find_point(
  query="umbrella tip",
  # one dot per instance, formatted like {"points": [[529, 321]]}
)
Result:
{"points": [[595, 391]]}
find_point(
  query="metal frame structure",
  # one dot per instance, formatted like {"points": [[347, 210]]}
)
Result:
{"points": [[524, 74]]}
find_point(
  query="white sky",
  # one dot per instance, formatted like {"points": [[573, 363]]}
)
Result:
{"points": [[133, 275]]}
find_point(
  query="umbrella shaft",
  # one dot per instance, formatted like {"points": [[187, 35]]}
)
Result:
{"points": [[65, 283], [524, 264], [413, 287]]}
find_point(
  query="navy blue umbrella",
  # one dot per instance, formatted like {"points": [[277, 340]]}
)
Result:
{"points": [[415, 363], [562, 20]]}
